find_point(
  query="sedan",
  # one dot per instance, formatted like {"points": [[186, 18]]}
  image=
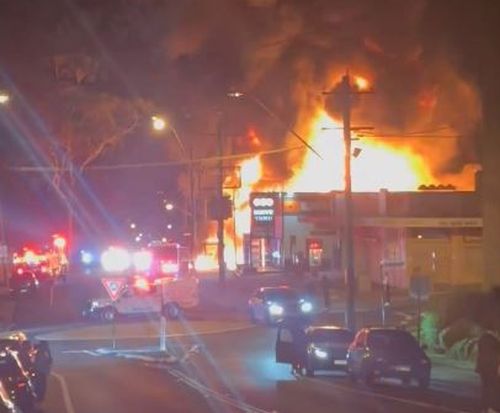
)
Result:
{"points": [[327, 348], [270, 305], [388, 353], [23, 282]]}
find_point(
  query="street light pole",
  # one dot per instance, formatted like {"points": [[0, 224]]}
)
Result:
{"points": [[219, 201], [194, 223]]}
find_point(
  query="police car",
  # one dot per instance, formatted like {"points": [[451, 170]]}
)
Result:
{"points": [[144, 297]]}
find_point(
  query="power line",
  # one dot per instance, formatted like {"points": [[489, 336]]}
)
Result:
{"points": [[160, 164]]}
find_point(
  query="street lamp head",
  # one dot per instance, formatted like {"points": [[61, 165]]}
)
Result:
{"points": [[236, 94], [4, 98], [169, 206], [159, 124]]}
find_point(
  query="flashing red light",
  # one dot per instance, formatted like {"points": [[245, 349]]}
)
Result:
{"points": [[59, 242], [20, 271], [142, 284]]}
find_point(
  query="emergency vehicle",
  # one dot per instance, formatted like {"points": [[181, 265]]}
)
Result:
{"points": [[157, 260], [140, 295], [49, 264]]}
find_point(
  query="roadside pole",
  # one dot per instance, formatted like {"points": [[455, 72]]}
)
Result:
{"points": [[420, 289], [419, 315], [163, 321], [114, 287], [113, 333]]}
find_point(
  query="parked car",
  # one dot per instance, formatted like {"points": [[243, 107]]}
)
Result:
{"points": [[388, 353], [270, 305], [23, 282], [321, 347], [16, 391], [327, 348], [34, 360]]}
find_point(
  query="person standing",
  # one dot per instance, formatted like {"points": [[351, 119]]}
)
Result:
{"points": [[487, 365]]}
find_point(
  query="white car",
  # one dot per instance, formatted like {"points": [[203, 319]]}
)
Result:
{"points": [[177, 295], [269, 305]]}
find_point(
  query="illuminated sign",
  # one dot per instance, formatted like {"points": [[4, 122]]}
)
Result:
{"points": [[264, 213]]}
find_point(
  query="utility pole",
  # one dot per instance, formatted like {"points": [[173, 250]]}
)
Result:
{"points": [[219, 203], [192, 245], [345, 96]]}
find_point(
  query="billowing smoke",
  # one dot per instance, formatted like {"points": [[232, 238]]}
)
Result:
{"points": [[288, 52]]}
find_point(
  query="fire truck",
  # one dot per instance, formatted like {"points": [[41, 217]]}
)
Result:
{"points": [[49, 264], [157, 260]]}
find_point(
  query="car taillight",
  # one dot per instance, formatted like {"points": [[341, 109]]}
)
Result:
{"points": [[20, 271], [21, 384]]}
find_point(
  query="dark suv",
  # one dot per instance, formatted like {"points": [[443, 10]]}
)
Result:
{"points": [[387, 353]]}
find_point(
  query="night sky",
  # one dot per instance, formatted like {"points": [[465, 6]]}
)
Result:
{"points": [[434, 63]]}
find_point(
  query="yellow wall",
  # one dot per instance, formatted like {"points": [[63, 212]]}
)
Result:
{"points": [[456, 260]]}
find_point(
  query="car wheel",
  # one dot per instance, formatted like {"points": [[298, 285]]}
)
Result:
{"points": [[172, 311], [253, 318], [423, 383], [108, 314], [309, 371], [353, 378], [368, 377]]}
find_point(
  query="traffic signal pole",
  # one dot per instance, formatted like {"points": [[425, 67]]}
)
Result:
{"points": [[219, 203]]}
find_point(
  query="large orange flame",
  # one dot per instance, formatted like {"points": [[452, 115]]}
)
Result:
{"points": [[377, 165]]}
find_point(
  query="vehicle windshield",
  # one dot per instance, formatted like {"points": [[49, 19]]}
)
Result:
{"points": [[331, 335], [167, 252], [281, 294], [392, 339]]}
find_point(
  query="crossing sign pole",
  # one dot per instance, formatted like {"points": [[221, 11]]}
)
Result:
{"points": [[113, 287]]}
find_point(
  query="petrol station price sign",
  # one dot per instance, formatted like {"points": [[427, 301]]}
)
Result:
{"points": [[113, 286], [264, 213]]}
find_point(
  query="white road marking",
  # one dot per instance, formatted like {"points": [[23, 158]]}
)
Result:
{"points": [[208, 392], [68, 403], [61, 337], [89, 352], [425, 405]]}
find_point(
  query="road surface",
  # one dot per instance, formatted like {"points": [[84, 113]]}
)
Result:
{"points": [[224, 368]]}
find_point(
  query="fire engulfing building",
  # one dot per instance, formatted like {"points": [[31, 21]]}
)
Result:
{"points": [[396, 234]]}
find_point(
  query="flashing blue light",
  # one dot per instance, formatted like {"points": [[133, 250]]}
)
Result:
{"points": [[86, 257], [306, 307]]}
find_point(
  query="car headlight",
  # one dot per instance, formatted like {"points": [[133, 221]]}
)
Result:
{"points": [[276, 309], [306, 307], [94, 304], [320, 353]]}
